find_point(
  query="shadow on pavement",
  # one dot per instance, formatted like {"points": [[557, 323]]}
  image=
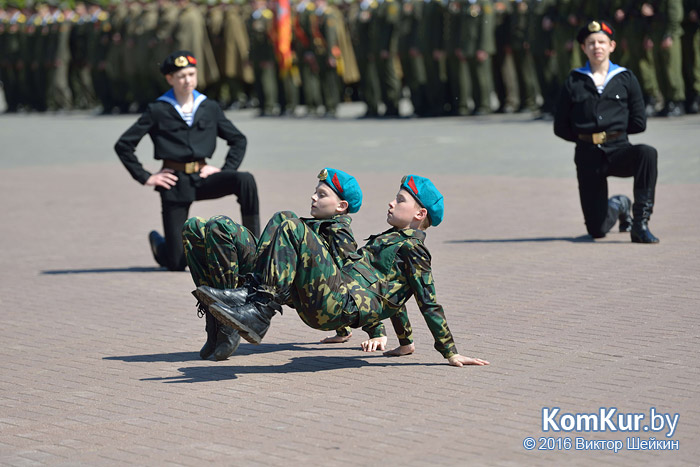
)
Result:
{"points": [[308, 364], [244, 349], [581, 239], [101, 270]]}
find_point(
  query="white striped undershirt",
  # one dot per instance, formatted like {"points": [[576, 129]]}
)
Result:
{"points": [[188, 117]]}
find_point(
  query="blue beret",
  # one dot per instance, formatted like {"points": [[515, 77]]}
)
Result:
{"points": [[423, 190], [176, 61], [344, 186]]}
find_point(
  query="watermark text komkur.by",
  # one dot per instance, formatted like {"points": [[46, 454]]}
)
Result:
{"points": [[606, 419], [609, 419]]}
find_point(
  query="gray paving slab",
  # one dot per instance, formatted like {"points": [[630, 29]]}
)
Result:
{"points": [[99, 359]]}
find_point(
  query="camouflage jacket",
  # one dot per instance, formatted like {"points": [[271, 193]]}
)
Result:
{"points": [[340, 242], [337, 235], [394, 266]]}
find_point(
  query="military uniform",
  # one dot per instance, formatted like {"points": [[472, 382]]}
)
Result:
{"points": [[478, 45], [260, 27], [666, 25], [98, 49], [307, 39], [185, 148], [329, 56], [411, 49], [640, 53], [59, 96], [165, 30], [214, 20], [460, 83], [385, 23], [542, 17], [521, 36], [434, 55], [238, 72], [505, 79], [220, 252], [145, 82], [391, 268], [365, 37], [691, 54], [598, 121], [117, 58], [12, 65]]}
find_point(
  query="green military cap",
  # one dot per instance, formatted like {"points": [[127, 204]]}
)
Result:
{"points": [[427, 195]]}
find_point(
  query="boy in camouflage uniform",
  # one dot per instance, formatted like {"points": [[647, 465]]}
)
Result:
{"points": [[220, 252], [375, 285]]}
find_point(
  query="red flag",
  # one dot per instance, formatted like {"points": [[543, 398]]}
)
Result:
{"points": [[284, 37]]}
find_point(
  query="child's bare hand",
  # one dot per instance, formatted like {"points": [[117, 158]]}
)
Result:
{"points": [[460, 360], [377, 343], [208, 170], [165, 178]]}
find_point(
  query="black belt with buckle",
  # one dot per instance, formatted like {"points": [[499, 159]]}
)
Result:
{"points": [[187, 167]]}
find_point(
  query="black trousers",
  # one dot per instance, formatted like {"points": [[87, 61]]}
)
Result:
{"points": [[218, 185], [594, 165]]}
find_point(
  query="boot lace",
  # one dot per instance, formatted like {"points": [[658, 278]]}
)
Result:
{"points": [[201, 309]]}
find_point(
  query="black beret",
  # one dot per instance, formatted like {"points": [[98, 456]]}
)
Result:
{"points": [[177, 61], [592, 28]]}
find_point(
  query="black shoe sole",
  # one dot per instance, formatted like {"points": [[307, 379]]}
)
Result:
{"points": [[245, 332], [204, 297]]}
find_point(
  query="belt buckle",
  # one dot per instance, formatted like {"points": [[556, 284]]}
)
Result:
{"points": [[599, 138], [191, 167]]}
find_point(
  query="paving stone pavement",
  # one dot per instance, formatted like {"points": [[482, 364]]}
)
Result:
{"points": [[99, 359]]}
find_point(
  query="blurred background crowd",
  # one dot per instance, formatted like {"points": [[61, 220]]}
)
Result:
{"points": [[303, 57]]}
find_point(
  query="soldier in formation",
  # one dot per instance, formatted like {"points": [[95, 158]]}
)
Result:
{"points": [[450, 57]]}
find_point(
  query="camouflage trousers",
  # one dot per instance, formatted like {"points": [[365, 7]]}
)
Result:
{"points": [[219, 251], [288, 256], [325, 296]]}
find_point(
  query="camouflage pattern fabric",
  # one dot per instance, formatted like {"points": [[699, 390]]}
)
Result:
{"points": [[220, 251], [395, 266], [373, 286]]}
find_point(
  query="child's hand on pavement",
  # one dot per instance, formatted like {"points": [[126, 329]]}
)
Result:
{"points": [[377, 343], [460, 360]]}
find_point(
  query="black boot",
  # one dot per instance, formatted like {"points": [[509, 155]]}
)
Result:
{"points": [[252, 223], [252, 319], [157, 243], [248, 309], [230, 297], [227, 341], [211, 327], [642, 208], [622, 205]]}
